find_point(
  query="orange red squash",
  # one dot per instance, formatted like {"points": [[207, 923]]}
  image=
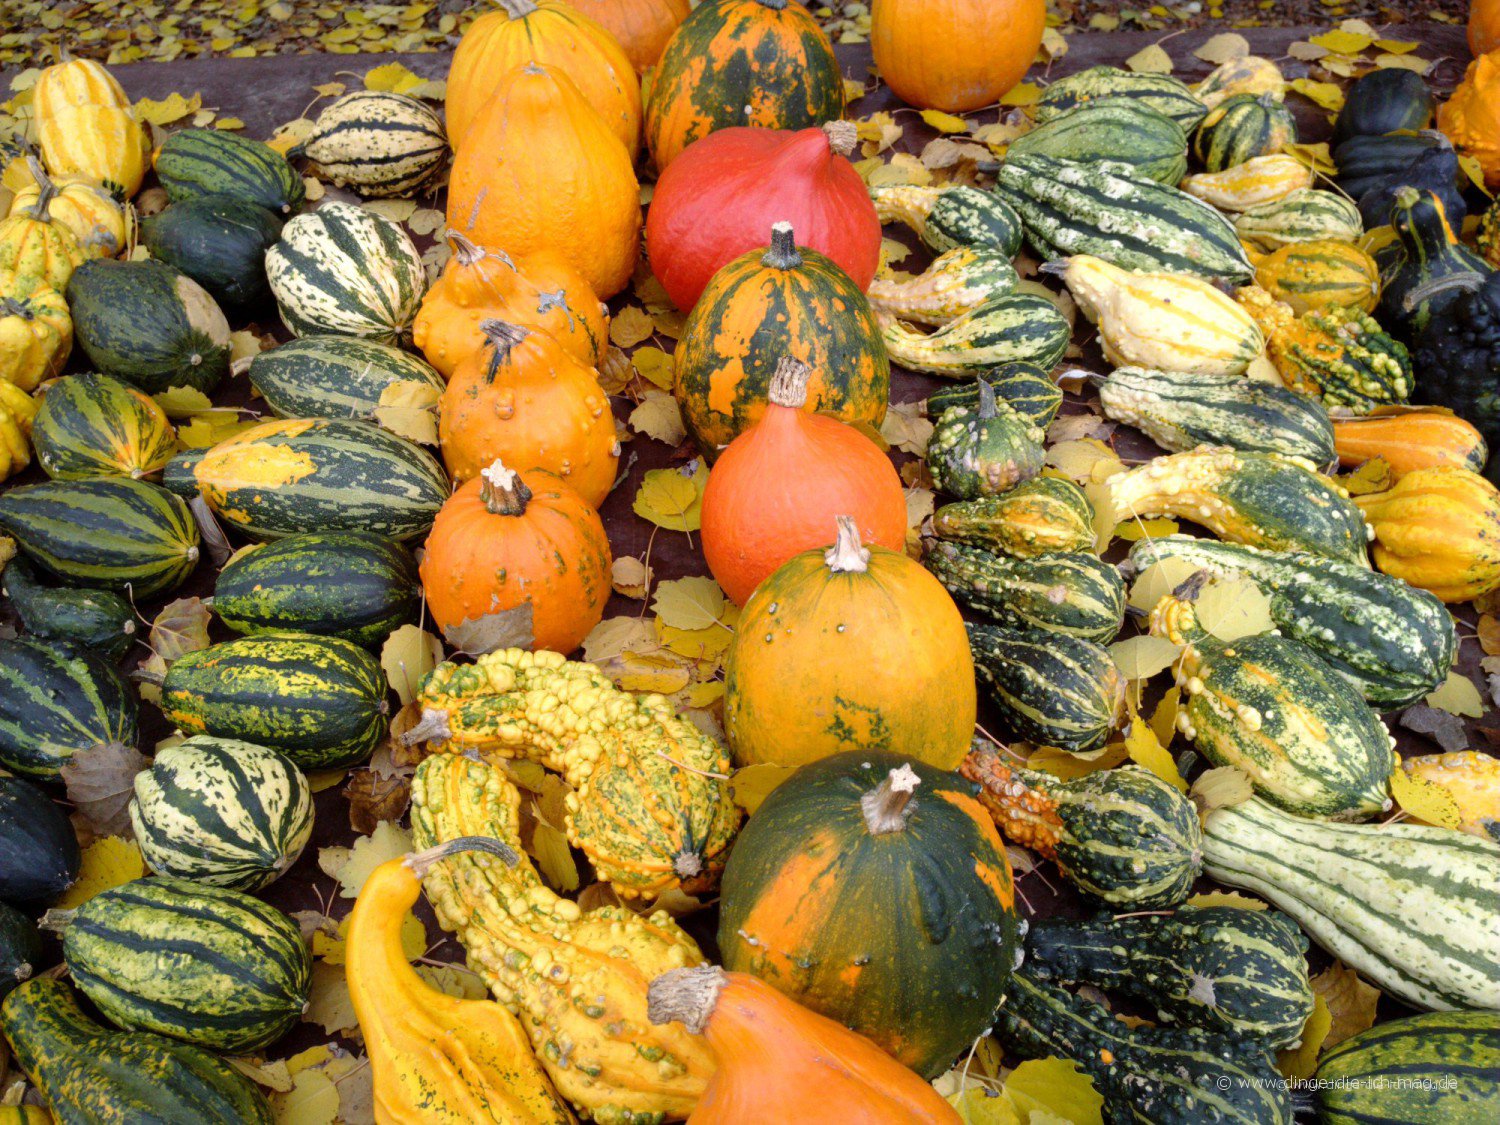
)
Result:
{"points": [[955, 55], [1484, 26], [1471, 117]]}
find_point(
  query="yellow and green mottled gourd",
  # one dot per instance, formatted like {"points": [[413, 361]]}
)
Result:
{"points": [[951, 216], [1306, 215], [959, 281], [1254, 183], [1320, 275], [983, 451], [1020, 327], [1044, 516], [576, 980]]}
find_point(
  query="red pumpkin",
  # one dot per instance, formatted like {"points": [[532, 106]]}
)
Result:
{"points": [[719, 198]]}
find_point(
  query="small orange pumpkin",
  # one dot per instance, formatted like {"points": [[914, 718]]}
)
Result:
{"points": [[542, 291], [1471, 117], [508, 539], [955, 55], [641, 26], [1410, 441], [522, 397]]}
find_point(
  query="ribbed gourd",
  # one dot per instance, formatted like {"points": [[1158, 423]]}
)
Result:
{"points": [[951, 216], [1318, 275], [1076, 594], [1161, 92], [1241, 128], [957, 282], [1027, 388], [36, 249], [1017, 328], [1248, 74], [1117, 130], [1438, 529], [55, 704], [1045, 515], [1306, 215], [378, 142], [1255, 183], [91, 426], [85, 126], [985, 450]]}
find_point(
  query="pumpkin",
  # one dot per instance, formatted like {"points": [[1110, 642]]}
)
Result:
{"points": [[1471, 117], [553, 34], [789, 300], [642, 27], [741, 62], [97, 222], [777, 488], [719, 199], [1439, 529], [779, 1061], [955, 55], [846, 648], [36, 335], [875, 890], [545, 173], [544, 291], [522, 397], [1484, 26], [85, 127], [36, 249], [1409, 441], [509, 539]]}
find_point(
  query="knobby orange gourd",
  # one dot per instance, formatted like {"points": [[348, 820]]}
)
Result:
{"points": [[1439, 529], [1471, 117], [777, 489], [642, 27], [955, 55]]}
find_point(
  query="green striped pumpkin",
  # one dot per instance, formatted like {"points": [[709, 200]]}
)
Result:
{"points": [[377, 142], [94, 426], [1122, 130], [1161, 92], [53, 704], [349, 584], [1305, 215], [1045, 515], [1435, 1068], [983, 451], [113, 532], [221, 812], [319, 700], [1024, 387], [334, 376], [207, 965], [348, 271], [1076, 594], [194, 162], [1415, 910], [1242, 127], [281, 478], [1051, 689]]}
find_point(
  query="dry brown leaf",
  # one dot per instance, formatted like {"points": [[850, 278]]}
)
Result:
{"points": [[374, 797], [100, 781], [1351, 1002]]}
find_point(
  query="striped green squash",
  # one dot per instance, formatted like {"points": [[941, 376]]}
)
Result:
{"points": [[94, 426], [1435, 1068], [113, 532], [334, 376], [1393, 642], [951, 215], [221, 812], [281, 478], [1161, 92], [379, 143], [1123, 130], [349, 584], [95, 1075], [78, 620], [1181, 412], [1019, 327], [1049, 688], [348, 271], [1045, 515], [1221, 968], [194, 162], [220, 242], [1415, 910], [319, 700], [54, 704], [1076, 594], [1107, 211], [1024, 387], [204, 964], [1306, 215], [1242, 127]]}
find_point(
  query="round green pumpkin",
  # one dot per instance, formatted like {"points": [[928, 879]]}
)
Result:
{"points": [[218, 241], [1241, 128]]}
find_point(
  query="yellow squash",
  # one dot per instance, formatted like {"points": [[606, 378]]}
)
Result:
{"points": [[36, 247], [1439, 529], [36, 335], [17, 409], [99, 223], [1264, 179], [84, 127], [1248, 74]]}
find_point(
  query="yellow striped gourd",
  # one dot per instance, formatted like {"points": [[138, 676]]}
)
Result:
{"points": [[957, 282], [85, 127], [1251, 184]]}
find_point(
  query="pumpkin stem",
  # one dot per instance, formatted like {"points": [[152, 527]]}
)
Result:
{"points": [[887, 806], [533, 68], [988, 407], [789, 383], [15, 306], [46, 190], [503, 491], [432, 727], [847, 555], [518, 9], [783, 252], [502, 338], [686, 996], [419, 863], [842, 136]]}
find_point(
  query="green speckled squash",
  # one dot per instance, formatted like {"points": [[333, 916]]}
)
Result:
{"points": [[196, 162], [1016, 328], [1161, 92], [1242, 127], [53, 705], [1077, 594], [334, 376], [1305, 215], [984, 451], [1119, 130], [950, 216], [94, 426], [1051, 689], [1024, 387], [1046, 515]]}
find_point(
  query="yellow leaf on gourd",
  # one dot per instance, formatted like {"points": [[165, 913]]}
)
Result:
{"points": [[1302, 1060], [329, 1004], [1458, 696], [1325, 94], [312, 1100], [659, 417], [408, 654], [659, 672], [454, 980], [1081, 459], [1150, 60], [408, 409], [615, 635], [1223, 47], [1425, 800], [690, 603], [1227, 898], [1140, 658], [978, 1105], [555, 858], [709, 643], [1060, 763], [1164, 718], [1351, 1002], [1234, 608], [1055, 1086], [1144, 750], [672, 498], [1158, 580], [106, 862], [944, 122]]}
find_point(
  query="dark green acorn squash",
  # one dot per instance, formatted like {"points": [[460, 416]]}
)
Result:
{"points": [[81, 620], [53, 704], [194, 162], [20, 949], [1457, 358], [1384, 101], [38, 848], [218, 241], [1433, 269], [1435, 171], [1367, 162]]}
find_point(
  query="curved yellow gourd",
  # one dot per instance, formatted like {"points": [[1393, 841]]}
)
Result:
{"points": [[1439, 529], [1264, 179], [17, 409], [84, 127], [957, 282]]}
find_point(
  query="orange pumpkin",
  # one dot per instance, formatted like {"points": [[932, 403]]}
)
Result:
{"points": [[546, 173], [509, 539], [522, 397], [1409, 441], [1484, 26], [1471, 117], [544, 291], [776, 490], [955, 55], [553, 33], [641, 26]]}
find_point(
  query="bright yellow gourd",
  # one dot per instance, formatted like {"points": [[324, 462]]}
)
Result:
{"points": [[1248, 74], [1264, 179], [84, 127], [36, 248], [17, 409], [1310, 276], [100, 225], [36, 335], [1439, 529], [1473, 781]]}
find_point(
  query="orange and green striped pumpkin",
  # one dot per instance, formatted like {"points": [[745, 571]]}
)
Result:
{"points": [[786, 301], [741, 62], [874, 890], [1312, 276]]}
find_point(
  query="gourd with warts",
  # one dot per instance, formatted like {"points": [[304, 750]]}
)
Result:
{"points": [[957, 282], [1015, 328], [952, 217], [984, 451], [1439, 529]]}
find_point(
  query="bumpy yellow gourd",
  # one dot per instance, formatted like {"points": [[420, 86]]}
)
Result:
{"points": [[17, 409], [957, 282], [1170, 322], [100, 225], [577, 980], [1264, 179], [1439, 529], [1472, 779], [36, 335], [84, 127], [36, 248]]}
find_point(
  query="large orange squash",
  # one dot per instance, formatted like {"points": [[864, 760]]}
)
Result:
{"points": [[543, 291], [1484, 26], [523, 397], [1471, 117], [741, 62], [641, 26], [546, 173], [849, 648], [553, 33], [1410, 441], [509, 539], [955, 55]]}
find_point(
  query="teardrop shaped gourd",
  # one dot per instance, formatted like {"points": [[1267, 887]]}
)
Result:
{"points": [[1014, 328], [1439, 529], [957, 282], [1243, 127], [1248, 74], [984, 451], [1045, 515], [85, 127], [518, 542], [1308, 215], [1255, 183], [545, 172], [951, 216], [844, 648], [642, 27], [92, 425], [1433, 268], [1409, 441], [777, 488], [1078, 595]]}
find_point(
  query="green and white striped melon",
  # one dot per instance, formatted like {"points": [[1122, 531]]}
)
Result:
{"points": [[54, 704], [335, 376], [207, 965], [377, 142], [1049, 688], [221, 812], [94, 426], [348, 271], [194, 162]]}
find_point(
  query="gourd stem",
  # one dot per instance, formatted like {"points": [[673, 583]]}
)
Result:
{"points": [[842, 136], [419, 863], [988, 407], [46, 190], [533, 68], [774, 5], [847, 555], [685, 996], [502, 338], [783, 252], [503, 491], [887, 806], [14, 306], [518, 9], [432, 727], [789, 383], [464, 249]]}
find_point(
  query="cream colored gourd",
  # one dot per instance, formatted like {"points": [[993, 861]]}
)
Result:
{"points": [[1264, 179]]}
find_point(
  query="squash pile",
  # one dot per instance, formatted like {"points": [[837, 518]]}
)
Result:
{"points": [[938, 661]]}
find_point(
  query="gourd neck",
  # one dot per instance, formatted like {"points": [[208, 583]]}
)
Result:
{"points": [[503, 491], [1423, 218], [46, 190], [502, 338], [783, 252], [465, 250], [789, 383], [16, 306], [419, 863], [887, 806], [847, 555], [686, 996], [988, 407], [842, 136], [518, 9]]}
